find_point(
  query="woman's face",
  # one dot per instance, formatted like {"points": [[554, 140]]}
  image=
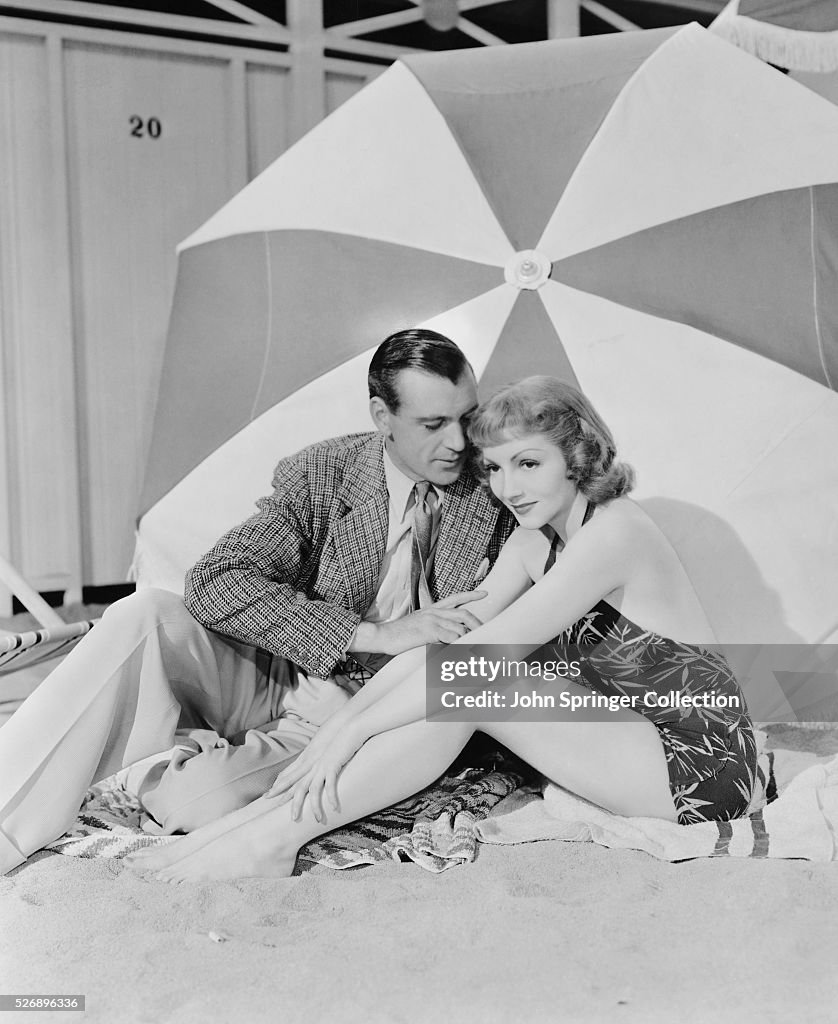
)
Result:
{"points": [[529, 475]]}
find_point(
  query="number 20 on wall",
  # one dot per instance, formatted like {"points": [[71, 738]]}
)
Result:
{"points": [[145, 128]]}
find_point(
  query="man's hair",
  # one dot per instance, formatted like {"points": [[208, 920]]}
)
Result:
{"points": [[562, 414], [415, 349]]}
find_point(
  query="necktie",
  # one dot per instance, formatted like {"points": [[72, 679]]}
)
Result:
{"points": [[423, 524], [361, 667]]}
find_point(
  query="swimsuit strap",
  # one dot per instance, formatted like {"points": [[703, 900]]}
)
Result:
{"points": [[558, 544], [554, 549]]}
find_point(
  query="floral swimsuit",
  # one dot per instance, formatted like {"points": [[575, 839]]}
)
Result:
{"points": [[710, 750]]}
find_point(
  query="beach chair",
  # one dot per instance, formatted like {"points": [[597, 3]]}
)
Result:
{"points": [[54, 638]]}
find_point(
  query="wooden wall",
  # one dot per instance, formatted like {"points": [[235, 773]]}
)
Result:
{"points": [[113, 147]]}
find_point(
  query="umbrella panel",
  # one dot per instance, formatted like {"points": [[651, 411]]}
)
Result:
{"points": [[825, 294], [800, 15], [701, 126], [527, 344], [384, 165], [524, 118], [661, 402], [735, 451], [270, 312], [743, 272]]}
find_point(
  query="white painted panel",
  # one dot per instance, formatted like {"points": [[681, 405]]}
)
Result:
{"points": [[268, 96], [150, 158], [339, 87], [40, 534]]}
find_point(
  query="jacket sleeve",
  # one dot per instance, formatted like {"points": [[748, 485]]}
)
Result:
{"points": [[247, 586], [504, 529]]}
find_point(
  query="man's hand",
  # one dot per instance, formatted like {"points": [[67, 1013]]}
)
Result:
{"points": [[440, 623]]}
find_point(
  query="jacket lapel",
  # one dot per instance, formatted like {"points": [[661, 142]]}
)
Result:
{"points": [[468, 522], [360, 535]]}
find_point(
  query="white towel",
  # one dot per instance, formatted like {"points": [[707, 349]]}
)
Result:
{"points": [[800, 823]]}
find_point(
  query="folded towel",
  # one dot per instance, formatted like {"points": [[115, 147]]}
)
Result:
{"points": [[794, 815], [435, 828], [497, 800]]}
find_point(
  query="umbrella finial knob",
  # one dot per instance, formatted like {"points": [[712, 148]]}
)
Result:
{"points": [[528, 269]]}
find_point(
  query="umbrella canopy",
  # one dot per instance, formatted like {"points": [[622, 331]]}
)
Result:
{"points": [[801, 35], [651, 215]]}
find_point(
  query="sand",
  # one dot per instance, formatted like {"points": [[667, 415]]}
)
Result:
{"points": [[541, 932]]}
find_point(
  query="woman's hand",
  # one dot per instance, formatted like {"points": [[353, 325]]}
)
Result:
{"points": [[319, 745], [316, 770]]}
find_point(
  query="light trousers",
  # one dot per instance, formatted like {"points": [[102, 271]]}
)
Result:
{"points": [[146, 677]]}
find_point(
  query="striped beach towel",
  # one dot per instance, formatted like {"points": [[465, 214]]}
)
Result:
{"points": [[436, 828], [794, 816]]}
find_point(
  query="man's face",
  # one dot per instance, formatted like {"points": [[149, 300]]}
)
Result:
{"points": [[426, 436]]}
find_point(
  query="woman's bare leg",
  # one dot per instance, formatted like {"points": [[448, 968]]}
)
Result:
{"points": [[263, 839], [153, 858], [615, 760]]}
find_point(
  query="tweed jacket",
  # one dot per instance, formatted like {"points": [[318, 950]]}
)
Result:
{"points": [[297, 577]]}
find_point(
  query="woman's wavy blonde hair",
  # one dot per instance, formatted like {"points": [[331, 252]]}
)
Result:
{"points": [[548, 406]]}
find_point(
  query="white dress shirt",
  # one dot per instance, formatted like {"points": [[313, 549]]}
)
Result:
{"points": [[392, 599]]}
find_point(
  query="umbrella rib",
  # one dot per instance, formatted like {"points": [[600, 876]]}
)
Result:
{"points": [[268, 328], [818, 333]]}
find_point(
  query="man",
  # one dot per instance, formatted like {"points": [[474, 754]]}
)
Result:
{"points": [[367, 547]]}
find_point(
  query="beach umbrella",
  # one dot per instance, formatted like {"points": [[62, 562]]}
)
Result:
{"points": [[801, 35], [650, 215]]}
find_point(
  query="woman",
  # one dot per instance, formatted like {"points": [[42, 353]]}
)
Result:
{"points": [[586, 569]]}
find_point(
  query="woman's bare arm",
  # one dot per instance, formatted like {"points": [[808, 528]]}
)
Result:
{"points": [[591, 566], [594, 563], [504, 584]]}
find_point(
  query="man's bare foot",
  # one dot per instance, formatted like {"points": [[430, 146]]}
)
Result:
{"points": [[158, 857], [251, 850]]}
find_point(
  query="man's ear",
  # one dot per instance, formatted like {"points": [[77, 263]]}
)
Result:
{"points": [[380, 415]]}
